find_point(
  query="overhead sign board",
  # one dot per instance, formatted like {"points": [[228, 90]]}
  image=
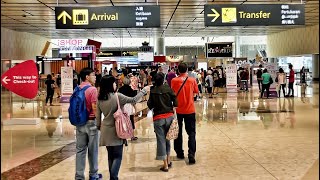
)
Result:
{"points": [[107, 17], [254, 14], [145, 56], [219, 49], [117, 53], [77, 49]]}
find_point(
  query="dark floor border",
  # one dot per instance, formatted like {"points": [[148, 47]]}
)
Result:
{"points": [[40, 164]]}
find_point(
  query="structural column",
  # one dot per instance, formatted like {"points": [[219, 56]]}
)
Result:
{"points": [[159, 46], [236, 49], [315, 67]]}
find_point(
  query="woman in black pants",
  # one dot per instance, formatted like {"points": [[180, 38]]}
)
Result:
{"points": [[265, 82], [128, 91], [50, 89]]}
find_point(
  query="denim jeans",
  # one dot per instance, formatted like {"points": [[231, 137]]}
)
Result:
{"points": [[114, 160], [161, 128], [190, 123], [87, 138]]}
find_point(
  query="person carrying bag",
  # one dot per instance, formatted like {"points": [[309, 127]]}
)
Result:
{"points": [[162, 100]]}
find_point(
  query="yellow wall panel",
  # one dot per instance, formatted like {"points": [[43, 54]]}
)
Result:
{"points": [[296, 41]]}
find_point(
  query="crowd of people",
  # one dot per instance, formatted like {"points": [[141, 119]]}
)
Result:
{"points": [[168, 94], [164, 100]]}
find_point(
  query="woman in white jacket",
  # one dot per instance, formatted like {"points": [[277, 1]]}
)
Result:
{"points": [[282, 79]]}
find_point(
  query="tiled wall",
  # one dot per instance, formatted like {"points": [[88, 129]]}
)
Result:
{"points": [[294, 42], [20, 45]]}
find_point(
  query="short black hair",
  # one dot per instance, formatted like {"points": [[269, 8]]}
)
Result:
{"points": [[265, 70], [290, 66], [260, 66], [85, 72], [281, 70], [49, 76], [182, 67], [159, 79]]}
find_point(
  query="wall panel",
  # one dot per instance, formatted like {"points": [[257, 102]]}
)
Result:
{"points": [[294, 42], [21, 45]]}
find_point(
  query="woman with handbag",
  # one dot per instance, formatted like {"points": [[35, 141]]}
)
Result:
{"points": [[128, 91], [107, 104], [162, 100]]}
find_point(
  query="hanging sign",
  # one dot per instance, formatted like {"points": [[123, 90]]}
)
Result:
{"points": [[254, 14], [219, 49], [107, 17], [76, 49], [22, 79]]}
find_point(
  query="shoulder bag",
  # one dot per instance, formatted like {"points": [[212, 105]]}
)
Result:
{"points": [[122, 123]]}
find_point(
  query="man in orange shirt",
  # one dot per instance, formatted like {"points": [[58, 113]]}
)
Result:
{"points": [[185, 111]]}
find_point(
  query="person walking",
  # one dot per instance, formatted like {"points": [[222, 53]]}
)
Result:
{"points": [[87, 135], [244, 79], [291, 81], [216, 84], [259, 79], [281, 81], [209, 82], [50, 89], [303, 82], [128, 91], [108, 105], [162, 100], [185, 111], [265, 82], [170, 76]]}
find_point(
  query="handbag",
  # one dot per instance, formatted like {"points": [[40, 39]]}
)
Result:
{"points": [[173, 131], [270, 80], [122, 123]]}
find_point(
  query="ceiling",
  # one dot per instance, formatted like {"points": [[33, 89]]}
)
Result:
{"points": [[179, 18]]}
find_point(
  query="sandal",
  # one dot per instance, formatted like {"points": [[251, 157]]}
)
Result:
{"points": [[164, 169], [170, 165]]}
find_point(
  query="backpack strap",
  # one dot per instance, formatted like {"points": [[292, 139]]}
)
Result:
{"points": [[85, 87]]}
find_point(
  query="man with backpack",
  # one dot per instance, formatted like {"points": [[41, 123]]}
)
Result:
{"points": [[82, 115]]}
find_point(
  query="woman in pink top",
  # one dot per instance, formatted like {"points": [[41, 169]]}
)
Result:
{"points": [[281, 81]]}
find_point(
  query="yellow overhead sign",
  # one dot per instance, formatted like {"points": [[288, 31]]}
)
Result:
{"points": [[107, 17], [253, 14]]}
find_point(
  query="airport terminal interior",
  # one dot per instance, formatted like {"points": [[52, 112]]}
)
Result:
{"points": [[239, 134]]}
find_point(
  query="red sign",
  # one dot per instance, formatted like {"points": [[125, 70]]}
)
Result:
{"points": [[22, 79]]}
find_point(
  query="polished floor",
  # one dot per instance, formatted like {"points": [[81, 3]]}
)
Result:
{"points": [[238, 137]]}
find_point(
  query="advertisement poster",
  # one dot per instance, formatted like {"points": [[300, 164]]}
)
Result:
{"points": [[231, 77], [66, 83]]}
